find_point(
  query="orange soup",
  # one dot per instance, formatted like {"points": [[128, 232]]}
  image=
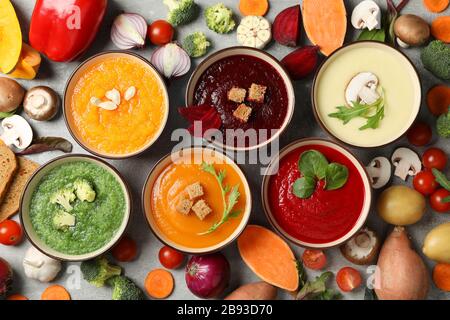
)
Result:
{"points": [[135, 122], [188, 229]]}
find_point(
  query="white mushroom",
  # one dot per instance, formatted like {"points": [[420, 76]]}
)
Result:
{"points": [[41, 103], [362, 88], [367, 14], [40, 267], [362, 248], [407, 163], [379, 170], [16, 132]]}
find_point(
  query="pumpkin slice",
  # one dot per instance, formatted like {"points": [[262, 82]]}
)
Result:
{"points": [[10, 37], [269, 257], [28, 65], [325, 23]]}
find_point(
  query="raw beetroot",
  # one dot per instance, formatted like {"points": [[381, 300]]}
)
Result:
{"points": [[302, 62], [286, 27], [206, 115]]}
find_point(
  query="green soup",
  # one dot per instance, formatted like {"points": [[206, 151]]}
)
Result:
{"points": [[97, 222]]}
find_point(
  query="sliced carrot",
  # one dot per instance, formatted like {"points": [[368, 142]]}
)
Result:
{"points": [[159, 283], [440, 29], [438, 99], [55, 292], [254, 7], [441, 276], [436, 5], [16, 297]]}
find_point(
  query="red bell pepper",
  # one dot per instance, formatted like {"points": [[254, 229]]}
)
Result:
{"points": [[64, 29]]}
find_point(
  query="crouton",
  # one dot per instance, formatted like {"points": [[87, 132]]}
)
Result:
{"points": [[194, 190], [242, 113], [257, 93], [237, 94], [201, 209], [184, 206]]}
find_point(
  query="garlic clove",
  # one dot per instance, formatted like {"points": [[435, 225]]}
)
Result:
{"points": [[130, 93]]}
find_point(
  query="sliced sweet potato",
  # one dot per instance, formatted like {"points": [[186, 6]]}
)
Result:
{"points": [[28, 64], [325, 23], [269, 257], [10, 37]]}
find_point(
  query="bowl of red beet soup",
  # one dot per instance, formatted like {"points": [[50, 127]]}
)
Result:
{"points": [[249, 90], [316, 193]]}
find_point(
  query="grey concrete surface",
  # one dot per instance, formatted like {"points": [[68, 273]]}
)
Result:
{"points": [[135, 170]]}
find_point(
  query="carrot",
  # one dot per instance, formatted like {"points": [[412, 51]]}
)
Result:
{"points": [[441, 276], [159, 283], [16, 297], [438, 99], [55, 292], [440, 29], [254, 7], [436, 5]]}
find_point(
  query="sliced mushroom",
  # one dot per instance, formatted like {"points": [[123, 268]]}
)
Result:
{"points": [[41, 103], [367, 14], [407, 163], [411, 30], [362, 88], [362, 248], [379, 170], [16, 132], [11, 94]]}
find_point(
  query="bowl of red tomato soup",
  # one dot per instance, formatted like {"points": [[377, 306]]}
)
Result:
{"points": [[316, 193]]}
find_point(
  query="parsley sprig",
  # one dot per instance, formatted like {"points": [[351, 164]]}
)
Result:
{"points": [[230, 197]]}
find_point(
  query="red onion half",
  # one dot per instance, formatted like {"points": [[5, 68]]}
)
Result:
{"points": [[208, 276], [171, 60], [129, 31]]}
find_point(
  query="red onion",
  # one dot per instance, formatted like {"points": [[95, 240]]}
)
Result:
{"points": [[208, 276], [129, 31], [171, 60], [6, 277]]}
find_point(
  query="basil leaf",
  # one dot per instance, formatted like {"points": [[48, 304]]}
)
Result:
{"points": [[313, 164], [336, 176], [374, 35], [304, 187], [441, 179]]}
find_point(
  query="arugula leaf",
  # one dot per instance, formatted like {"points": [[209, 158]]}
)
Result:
{"points": [[346, 114], [304, 187], [312, 163], [337, 176], [374, 35], [302, 276], [373, 122], [317, 289], [441, 179]]}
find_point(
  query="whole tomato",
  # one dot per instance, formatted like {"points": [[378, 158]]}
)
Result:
{"points": [[160, 32], [420, 134], [125, 250], [425, 182], [170, 258], [440, 200], [10, 233], [434, 158]]}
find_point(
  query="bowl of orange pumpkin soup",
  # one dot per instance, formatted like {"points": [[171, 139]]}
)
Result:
{"points": [[116, 105], [184, 205]]}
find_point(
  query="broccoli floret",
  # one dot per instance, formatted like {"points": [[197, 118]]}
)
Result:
{"points": [[64, 197], [84, 190], [125, 289], [436, 58], [196, 44], [443, 124], [63, 220], [181, 11], [98, 271], [219, 18]]}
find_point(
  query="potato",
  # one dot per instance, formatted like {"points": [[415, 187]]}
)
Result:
{"points": [[437, 244], [401, 206], [254, 291]]}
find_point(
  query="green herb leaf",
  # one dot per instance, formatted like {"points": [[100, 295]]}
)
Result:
{"points": [[369, 294], [374, 35], [317, 289], [441, 179], [312, 163], [304, 187], [302, 276], [46, 144], [336, 177], [4, 115], [446, 200], [346, 114], [373, 122]]}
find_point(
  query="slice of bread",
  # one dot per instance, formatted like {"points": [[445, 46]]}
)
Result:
{"points": [[10, 204], [8, 167]]}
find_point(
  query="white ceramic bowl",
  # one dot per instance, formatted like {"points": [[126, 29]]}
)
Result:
{"points": [[156, 172], [362, 171], [34, 182], [233, 51]]}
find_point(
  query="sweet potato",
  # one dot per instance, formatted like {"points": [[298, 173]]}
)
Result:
{"points": [[254, 291], [401, 272]]}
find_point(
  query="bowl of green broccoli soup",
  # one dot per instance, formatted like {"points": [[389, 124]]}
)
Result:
{"points": [[75, 208]]}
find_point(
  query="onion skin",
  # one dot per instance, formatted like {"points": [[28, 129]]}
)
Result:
{"points": [[254, 291], [401, 272], [208, 276]]}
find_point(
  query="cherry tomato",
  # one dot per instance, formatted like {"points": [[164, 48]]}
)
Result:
{"points": [[314, 259], [160, 32], [10, 233], [348, 279], [170, 258], [434, 158], [420, 134], [425, 182], [125, 250], [437, 200]]}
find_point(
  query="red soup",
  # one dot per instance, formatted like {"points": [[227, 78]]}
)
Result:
{"points": [[327, 215]]}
